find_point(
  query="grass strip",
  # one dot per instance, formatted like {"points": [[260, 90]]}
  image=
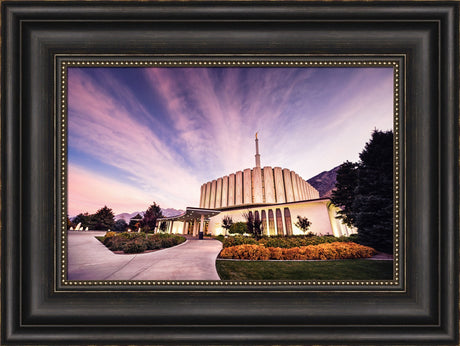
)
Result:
{"points": [[356, 269]]}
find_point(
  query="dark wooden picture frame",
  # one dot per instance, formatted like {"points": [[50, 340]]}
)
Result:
{"points": [[37, 309]]}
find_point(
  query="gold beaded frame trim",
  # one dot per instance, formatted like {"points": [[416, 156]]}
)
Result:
{"points": [[62, 63]]}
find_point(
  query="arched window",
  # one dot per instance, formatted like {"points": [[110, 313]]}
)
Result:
{"points": [[264, 222], [256, 215], [287, 220], [271, 222], [279, 222]]}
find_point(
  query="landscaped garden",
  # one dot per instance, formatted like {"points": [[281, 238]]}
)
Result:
{"points": [[134, 242], [299, 258]]}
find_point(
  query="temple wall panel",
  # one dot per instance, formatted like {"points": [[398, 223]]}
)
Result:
{"points": [[219, 193], [202, 195], [299, 184], [231, 190], [257, 185], [295, 187], [247, 186], [224, 202], [208, 195], [239, 188], [304, 189], [269, 185], [212, 204], [288, 185], [279, 185]]}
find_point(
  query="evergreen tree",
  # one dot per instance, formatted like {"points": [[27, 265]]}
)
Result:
{"points": [[364, 192], [151, 215], [373, 203], [344, 193], [104, 219], [120, 226], [85, 219]]}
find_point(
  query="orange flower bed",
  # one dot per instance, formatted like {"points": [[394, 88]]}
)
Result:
{"points": [[326, 251]]}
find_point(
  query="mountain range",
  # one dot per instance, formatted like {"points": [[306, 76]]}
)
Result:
{"points": [[324, 182], [166, 213]]}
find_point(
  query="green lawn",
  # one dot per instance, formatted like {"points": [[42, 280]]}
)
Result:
{"points": [[358, 269]]}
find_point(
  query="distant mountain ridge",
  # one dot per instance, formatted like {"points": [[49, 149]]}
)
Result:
{"points": [[324, 182], [166, 213]]}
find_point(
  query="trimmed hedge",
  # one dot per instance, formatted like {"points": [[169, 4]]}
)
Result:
{"points": [[285, 242], [133, 242], [326, 251]]}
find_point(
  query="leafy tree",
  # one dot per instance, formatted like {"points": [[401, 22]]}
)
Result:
{"points": [[238, 228], [344, 193], [372, 207], [104, 219], [303, 223], [120, 226], [227, 223], [151, 215], [85, 219], [135, 222], [253, 225]]}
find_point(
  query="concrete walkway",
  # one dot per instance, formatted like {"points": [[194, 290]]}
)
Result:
{"points": [[89, 259]]}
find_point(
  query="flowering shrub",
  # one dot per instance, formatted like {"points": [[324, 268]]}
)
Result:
{"points": [[285, 242], [326, 251], [110, 234], [246, 251]]}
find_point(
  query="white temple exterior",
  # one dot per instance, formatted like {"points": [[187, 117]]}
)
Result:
{"points": [[274, 195]]}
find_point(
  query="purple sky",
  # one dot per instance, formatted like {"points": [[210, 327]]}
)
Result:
{"points": [[139, 135]]}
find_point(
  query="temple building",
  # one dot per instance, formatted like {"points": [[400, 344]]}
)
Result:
{"points": [[274, 195]]}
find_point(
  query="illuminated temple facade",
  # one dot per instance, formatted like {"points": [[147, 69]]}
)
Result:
{"points": [[274, 195]]}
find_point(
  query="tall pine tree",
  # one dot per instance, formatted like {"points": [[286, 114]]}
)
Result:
{"points": [[364, 192], [344, 193], [373, 202], [151, 215]]}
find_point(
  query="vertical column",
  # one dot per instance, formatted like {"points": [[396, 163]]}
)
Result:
{"points": [[224, 201], [247, 186], [239, 188], [203, 196], [208, 195], [201, 223], [299, 185], [269, 185], [257, 185], [315, 192], [231, 190], [295, 188], [303, 184], [279, 185], [184, 228], [309, 191], [288, 185], [219, 193], [212, 204]]}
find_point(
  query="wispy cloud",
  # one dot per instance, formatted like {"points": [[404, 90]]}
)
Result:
{"points": [[169, 130]]}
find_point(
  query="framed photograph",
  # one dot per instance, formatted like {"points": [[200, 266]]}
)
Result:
{"points": [[230, 173]]}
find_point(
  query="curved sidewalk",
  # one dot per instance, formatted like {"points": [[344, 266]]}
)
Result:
{"points": [[89, 259]]}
